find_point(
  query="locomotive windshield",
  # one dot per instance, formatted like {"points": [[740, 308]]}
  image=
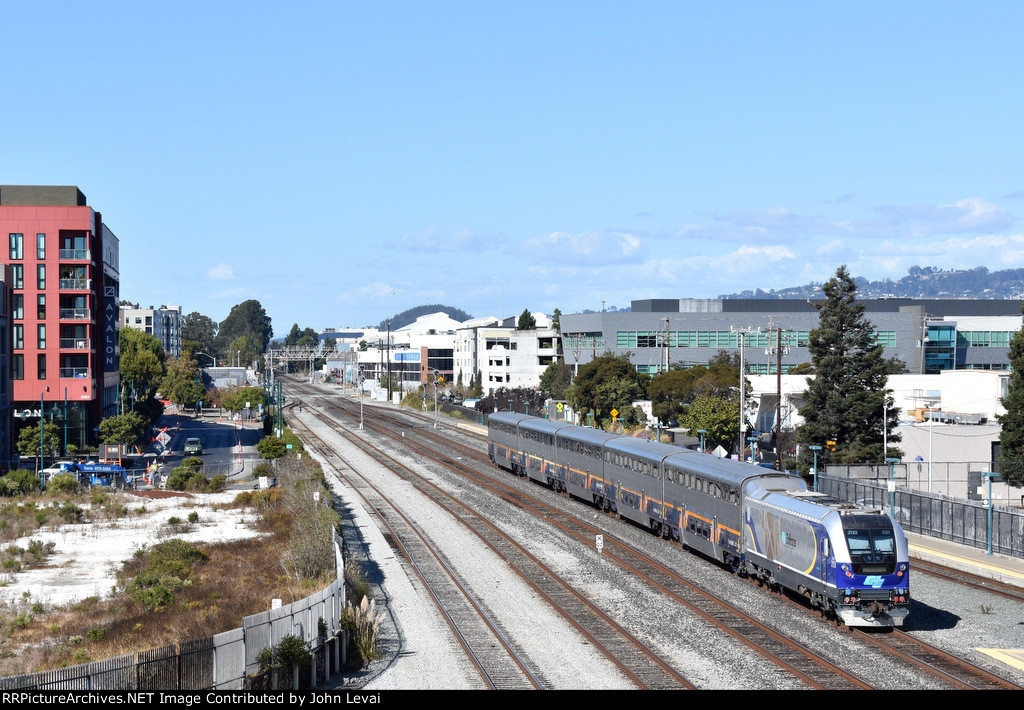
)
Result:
{"points": [[872, 543]]}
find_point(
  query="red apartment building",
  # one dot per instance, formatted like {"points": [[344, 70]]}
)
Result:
{"points": [[64, 355]]}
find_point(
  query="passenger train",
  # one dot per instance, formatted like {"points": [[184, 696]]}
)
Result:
{"points": [[847, 560]]}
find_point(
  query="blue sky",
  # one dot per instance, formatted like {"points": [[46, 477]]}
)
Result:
{"points": [[341, 162]]}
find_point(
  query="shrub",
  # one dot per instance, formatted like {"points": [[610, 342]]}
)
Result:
{"points": [[160, 571], [290, 651], [63, 484], [187, 478], [217, 483], [71, 513], [270, 447], [19, 482], [363, 624]]}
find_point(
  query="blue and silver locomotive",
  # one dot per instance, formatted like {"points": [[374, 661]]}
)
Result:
{"points": [[847, 560]]}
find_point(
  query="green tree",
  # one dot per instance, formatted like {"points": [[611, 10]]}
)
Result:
{"points": [[673, 391], [243, 351], [246, 319], [526, 321], [143, 365], [293, 336], [183, 384], [234, 399], [200, 330], [1011, 434], [28, 440], [124, 428], [270, 447], [609, 381], [556, 378], [719, 418], [556, 321], [847, 400]]}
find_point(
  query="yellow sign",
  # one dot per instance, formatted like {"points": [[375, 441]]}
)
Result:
{"points": [[615, 413]]}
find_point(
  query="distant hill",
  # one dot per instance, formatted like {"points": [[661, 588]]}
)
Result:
{"points": [[920, 282], [409, 316]]}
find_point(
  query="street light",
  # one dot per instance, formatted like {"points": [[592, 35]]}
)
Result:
{"points": [[199, 352], [702, 432], [814, 471], [42, 419], [989, 475], [892, 487]]}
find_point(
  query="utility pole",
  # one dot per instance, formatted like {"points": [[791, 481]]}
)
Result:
{"points": [[778, 405], [667, 351], [743, 385]]}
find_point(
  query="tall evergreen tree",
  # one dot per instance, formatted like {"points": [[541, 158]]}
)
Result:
{"points": [[1011, 436], [847, 400], [249, 319]]}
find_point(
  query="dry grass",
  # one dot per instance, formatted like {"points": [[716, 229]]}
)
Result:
{"points": [[238, 579]]}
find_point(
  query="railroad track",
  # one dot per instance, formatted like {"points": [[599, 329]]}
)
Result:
{"points": [[1002, 589], [947, 668], [798, 661], [950, 669], [498, 664], [637, 662]]}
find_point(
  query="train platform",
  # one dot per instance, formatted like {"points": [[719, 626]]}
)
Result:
{"points": [[1002, 568]]}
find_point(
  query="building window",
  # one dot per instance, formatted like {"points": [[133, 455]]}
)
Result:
{"points": [[42, 367], [18, 337], [18, 306], [16, 246], [19, 276], [41, 246], [41, 277], [41, 307], [41, 336], [885, 338], [18, 367]]}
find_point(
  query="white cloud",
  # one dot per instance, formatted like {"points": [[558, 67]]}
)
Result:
{"points": [[605, 247], [464, 240], [221, 272], [972, 215]]}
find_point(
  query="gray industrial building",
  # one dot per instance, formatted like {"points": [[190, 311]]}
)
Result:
{"points": [[928, 335]]}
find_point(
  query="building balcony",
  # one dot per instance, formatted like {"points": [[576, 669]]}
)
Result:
{"points": [[74, 373], [76, 314], [75, 255], [75, 344], [75, 284]]}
